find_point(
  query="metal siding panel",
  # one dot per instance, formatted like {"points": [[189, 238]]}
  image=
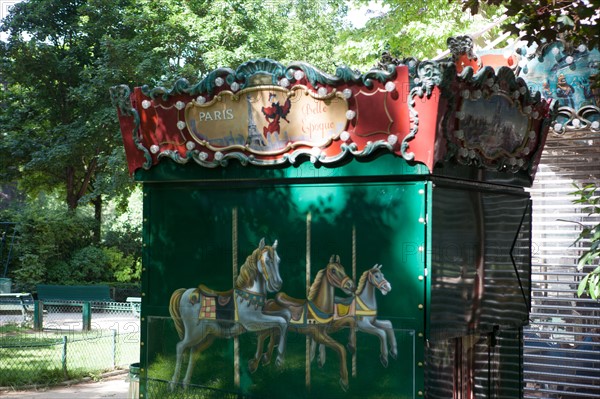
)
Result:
{"points": [[562, 343]]}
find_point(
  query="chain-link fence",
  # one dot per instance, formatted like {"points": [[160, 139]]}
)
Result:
{"points": [[67, 340]]}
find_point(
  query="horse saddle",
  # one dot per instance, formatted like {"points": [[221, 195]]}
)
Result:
{"points": [[223, 297], [295, 306]]}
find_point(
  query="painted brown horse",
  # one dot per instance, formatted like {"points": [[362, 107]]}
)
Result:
{"points": [[312, 316]]}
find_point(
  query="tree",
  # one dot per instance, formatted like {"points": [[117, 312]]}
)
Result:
{"points": [[572, 20], [410, 29]]}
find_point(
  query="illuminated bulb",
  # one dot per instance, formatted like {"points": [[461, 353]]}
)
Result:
{"points": [[235, 86], [201, 100], [219, 81], [569, 60], [345, 136], [218, 155], [180, 105], [595, 125], [146, 104], [298, 75], [557, 127], [350, 114], [392, 139], [390, 86], [190, 145], [347, 93], [181, 125], [284, 82], [154, 148], [322, 91]]}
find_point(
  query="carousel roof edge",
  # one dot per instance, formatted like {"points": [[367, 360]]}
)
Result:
{"points": [[407, 100]]}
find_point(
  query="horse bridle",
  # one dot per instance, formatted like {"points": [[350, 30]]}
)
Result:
{"points": [[342, 283], [378, 285], [262, 263]]}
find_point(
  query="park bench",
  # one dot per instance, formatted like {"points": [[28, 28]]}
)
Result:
{"points": [[19, 302], [73, 293], [136, 304]]}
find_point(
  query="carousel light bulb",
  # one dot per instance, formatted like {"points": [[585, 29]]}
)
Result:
{"points": [[181, 125], [582, 48], [392, 139], [595, 125], [190, 145], [345, 136], [298, 75], [535, 115], [218, 155], [235, 86], [154, 148], [555, 51], [219, 81], [203, 156], [576, 122], [146, 104], [569, 60], [284, 82], [201, 99], [390, 87], [180, 105], [350, 114], [532, 134], [347, 93], [322, 91], [558, 127]]}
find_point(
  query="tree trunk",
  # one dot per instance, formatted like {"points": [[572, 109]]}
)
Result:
{"points": [[98, 217], [72, 199]]}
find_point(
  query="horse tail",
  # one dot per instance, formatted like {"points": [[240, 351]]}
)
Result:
{"points": [[174, 311]]}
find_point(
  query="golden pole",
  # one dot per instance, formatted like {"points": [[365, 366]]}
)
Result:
{"points": [[354, 372], [234, 260], [308, 226]]}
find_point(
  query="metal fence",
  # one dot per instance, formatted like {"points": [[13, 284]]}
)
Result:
{"points": [[61, 348], [562, 343]]}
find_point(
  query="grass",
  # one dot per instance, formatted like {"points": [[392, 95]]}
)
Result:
{"points": [[36, 358]]}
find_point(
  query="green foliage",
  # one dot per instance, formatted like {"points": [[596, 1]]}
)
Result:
{"points": [[124, 268], [89, 264], [410, 29], [588, 197], [573, 20]]}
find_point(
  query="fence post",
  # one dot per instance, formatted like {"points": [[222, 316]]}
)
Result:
{"points": [[87, 316], [64, 356], [114, 348], [38, 315]]}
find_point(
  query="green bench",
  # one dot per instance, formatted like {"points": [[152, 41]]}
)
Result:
{"points": [[73, 293]]}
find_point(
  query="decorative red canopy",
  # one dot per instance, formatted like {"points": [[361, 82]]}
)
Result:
{"points": [[264, 113]]}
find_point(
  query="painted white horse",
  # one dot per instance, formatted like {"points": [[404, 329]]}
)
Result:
{"points": [[365, 303], [199, 321]]}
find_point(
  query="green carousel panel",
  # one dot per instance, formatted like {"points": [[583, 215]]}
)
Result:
{"points": [[231, 269]]}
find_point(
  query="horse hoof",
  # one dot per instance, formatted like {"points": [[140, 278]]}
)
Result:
{"points": [[266, 359], [384, 361], [252, 365], [279, 362], [344, 385], [394, 354]]}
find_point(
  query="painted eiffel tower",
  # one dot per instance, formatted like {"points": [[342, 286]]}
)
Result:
{"points": [[255, 139]]}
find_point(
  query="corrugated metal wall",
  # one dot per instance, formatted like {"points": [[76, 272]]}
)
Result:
{"points": [[562, 343]]}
